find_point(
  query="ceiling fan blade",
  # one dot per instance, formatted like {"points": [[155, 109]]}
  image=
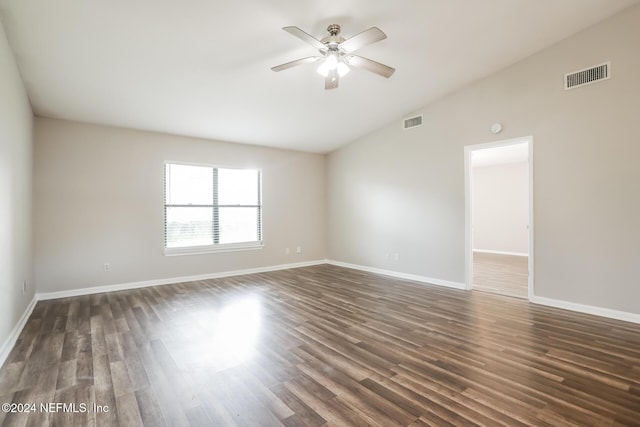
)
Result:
{"points": [[367, 37], [370, 65], [332, 80], [295, 31], [295, 63]]}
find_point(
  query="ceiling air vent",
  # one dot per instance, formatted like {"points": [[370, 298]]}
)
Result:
{"points": [[412, 122], [587, 76]]}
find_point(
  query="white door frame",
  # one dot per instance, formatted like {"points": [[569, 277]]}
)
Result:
{"points": [[468, 184]]}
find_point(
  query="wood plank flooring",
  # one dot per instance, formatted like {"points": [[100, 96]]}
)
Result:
{"points": [[315, 346], [501, 274]]}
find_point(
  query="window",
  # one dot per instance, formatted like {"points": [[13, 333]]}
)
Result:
{"points": [[208, 208]]}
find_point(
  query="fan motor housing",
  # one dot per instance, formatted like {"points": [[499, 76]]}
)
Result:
{"points": [[333, 39]]}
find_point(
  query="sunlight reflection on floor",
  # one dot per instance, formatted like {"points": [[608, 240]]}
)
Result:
{"points": [[227, 336]]}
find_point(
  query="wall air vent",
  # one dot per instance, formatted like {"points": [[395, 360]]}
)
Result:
{"points": [[587, 76], [412, 122]]}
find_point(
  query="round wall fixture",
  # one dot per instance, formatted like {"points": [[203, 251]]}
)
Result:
{"points": [[496, 128]]}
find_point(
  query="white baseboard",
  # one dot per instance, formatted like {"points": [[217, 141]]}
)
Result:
{"points": [[487, 251], [414, 277], [169, 281], [8, 344], [587, 309]]}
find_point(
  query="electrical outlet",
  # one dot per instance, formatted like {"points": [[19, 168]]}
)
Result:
{"points": [[396, 256], [287, 251], [106, 267], [299, 250]]}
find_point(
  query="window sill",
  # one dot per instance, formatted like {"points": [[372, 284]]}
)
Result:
{"points": [[200, 250]]}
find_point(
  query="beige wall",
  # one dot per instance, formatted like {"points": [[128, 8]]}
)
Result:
{"points": [[98, 197], [501, 208], [403, 191], [15, 189]]}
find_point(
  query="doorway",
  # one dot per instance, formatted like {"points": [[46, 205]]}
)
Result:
{"points": [[499, 217]]}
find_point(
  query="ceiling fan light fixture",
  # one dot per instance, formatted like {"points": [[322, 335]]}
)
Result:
{"points": [[330, 63], [343, 69], [336, 54]]}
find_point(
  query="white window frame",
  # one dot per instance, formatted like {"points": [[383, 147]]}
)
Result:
{"points": [[216, 247]]}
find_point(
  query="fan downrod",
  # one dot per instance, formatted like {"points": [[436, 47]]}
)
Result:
{"points": [[333, 29]]}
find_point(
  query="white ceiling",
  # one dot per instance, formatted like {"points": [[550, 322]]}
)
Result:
{"points": [[202, 67]]}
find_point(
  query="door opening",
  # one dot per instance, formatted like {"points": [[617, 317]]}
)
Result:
{"points": [[499, 217]]}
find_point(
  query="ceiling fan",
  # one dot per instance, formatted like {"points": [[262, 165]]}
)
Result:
{"points": [[336, 54]]}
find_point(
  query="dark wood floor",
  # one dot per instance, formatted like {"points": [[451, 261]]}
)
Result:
{"points": [[320, 345], [501, 274]]}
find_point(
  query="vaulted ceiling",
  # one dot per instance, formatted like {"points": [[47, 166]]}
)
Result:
{"points": [[202, 67]]}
